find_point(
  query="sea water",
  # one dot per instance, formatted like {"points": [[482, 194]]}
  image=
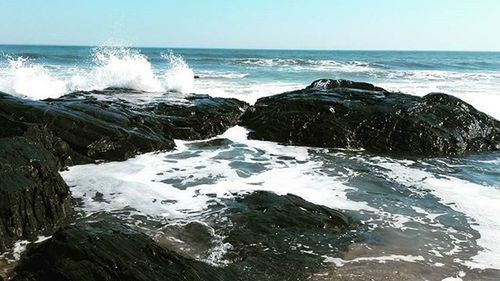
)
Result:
{"points": [[425, 218]]}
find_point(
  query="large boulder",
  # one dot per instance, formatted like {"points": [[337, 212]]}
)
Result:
{"points": [[282, 237], [201, 117], [93, 129], [34, 199], [271, 237], [113, 129], [37, 133], [107, 250], [346, 114]]}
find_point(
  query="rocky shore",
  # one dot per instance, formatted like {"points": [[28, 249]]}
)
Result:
{"points": [[346, 114], [39, 138]]}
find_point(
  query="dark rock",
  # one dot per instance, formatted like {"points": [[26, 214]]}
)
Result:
{"points": [[272, 237], [34, 199], [196, 77], [84, 128], [282, 237], [345, 114], [201, 117], [93, 129], [192, 239], [330, 84], [107, 251], [38, 134]]}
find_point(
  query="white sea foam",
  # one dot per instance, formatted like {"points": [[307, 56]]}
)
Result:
{"points": [[296, 64], [120, 67], [124, 67], [204, 74], [19, 248], [25, 78], [249, 92], [182, 184], [111, 67], [480, 89], [179, 76], [478, 202], [136, 183], [382, 259]]}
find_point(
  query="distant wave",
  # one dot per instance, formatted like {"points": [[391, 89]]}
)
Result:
{"points": [[40, 56], [221, 74], [310, 64], [112, 67], [362, 65]]}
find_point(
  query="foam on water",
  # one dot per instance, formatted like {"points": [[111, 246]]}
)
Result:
{"points": [[120, 67], [25, 78], [480, 89], [179, 76], [221, 74], [249, 92], [110, 67], [189, 179], [383, 259], [234, 77], [458, 225], [478, 202], [309, 64], [184, 183]]}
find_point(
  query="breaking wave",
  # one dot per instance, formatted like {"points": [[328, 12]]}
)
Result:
{"points": [[310, 64], [110, 67]]}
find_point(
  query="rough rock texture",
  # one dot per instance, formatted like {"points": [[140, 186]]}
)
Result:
{"points": [[346, 114], [34, 199], [87, 128], [93, 129], [271, 235], [107, 251], [202, 116], [39, 134]]}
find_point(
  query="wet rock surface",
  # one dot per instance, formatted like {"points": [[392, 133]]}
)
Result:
{"points": [[107, 250], [269, 237], [95, 129], [34, 199], [257, 236], [264, 236], [201, 117], [277, 237], [37, 133], [346, 114]]}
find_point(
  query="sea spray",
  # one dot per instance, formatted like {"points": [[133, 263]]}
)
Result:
{"points": [[24, 78], [124, 68], [110, 67], [179, 76]]}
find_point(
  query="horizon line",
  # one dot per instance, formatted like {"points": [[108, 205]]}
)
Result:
{"points": [[247, 48]]}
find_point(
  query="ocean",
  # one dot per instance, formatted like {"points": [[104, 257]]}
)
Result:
{"points": [[431, 218]]}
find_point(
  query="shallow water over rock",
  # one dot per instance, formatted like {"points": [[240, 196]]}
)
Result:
{"points": [[418, 218]]}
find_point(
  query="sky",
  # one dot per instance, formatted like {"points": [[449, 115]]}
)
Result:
{"points": [[264, 24]]}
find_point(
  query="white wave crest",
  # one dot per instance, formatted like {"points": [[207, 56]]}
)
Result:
{"points": [[24, 78], [179, 76], [111, 67], [121, 67], [311, 64]]}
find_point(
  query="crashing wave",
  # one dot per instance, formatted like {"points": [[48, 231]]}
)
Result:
{"points": [[110, 67]]}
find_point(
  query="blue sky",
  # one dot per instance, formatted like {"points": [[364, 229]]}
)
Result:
{"points": [[282, 24]]}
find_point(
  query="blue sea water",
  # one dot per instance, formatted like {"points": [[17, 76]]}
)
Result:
{"points": [[42, 71], [431, 218]]}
